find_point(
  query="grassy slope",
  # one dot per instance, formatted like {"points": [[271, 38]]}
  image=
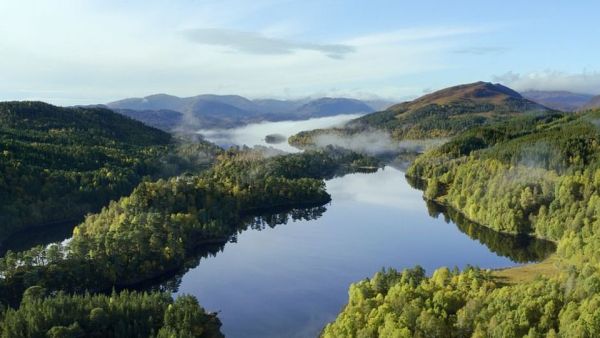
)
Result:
{"points": [[526, 273]]}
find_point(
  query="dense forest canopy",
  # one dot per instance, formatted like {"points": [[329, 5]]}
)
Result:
{"points": [[59, 163], [124, 314]]}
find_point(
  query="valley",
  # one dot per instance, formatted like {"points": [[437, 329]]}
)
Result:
{"points": [[299, 169]]}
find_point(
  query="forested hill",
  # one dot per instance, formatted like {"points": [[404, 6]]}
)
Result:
{"points": [[443, 113], [59, 163], [76, 125]]}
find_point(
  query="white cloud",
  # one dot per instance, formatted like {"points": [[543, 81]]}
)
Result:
{"points": [[255, 43], [412, 34], [584, 82]]}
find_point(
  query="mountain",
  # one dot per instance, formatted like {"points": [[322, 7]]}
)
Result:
{"points": [[152, 102], [443, 113], [559, 100], [449, 111], [593, 103], [169, 112], [332, 106]]}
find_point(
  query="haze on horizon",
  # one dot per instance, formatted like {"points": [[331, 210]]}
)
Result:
{"points": [[81, 52]]}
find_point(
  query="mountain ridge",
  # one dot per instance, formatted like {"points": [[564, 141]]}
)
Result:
{"points": [[225, 111]]}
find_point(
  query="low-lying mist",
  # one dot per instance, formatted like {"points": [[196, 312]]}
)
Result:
{"points": [[375, 142], [255, 134]]}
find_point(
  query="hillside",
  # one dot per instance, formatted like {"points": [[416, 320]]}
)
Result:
{"points": [[86, 125], [61, 163], [437, 115], [593, 103], [225, 111], [559, 100], [332, 106]]}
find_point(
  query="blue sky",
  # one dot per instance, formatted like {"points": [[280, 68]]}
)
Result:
{"points": [[77, 52]]}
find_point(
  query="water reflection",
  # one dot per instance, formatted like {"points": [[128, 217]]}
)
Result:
{"points": [[274, 217], [387, 188], [519, 248]]}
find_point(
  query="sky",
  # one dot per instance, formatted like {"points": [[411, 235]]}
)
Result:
{"points": [[70, 52]]}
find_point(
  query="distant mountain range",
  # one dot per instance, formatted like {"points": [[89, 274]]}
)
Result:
{"points": [[560, 100], [462, 105], [170, 113]]}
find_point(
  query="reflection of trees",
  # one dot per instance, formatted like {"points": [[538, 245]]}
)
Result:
{"points": [[276, 217], [261, 221], [519, 248], [403, 160]]}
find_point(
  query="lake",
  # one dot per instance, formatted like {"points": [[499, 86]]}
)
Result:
{"points": [[291, 279], [255, 134]]}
